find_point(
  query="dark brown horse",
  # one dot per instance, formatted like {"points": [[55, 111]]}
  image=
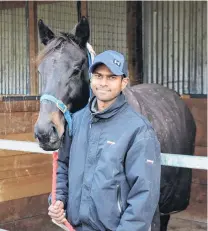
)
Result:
{"points": [[63, 65]]}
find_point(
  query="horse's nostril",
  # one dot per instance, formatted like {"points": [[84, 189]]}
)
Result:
{"points": [[46, 134], [42, 137], [54, 130]]}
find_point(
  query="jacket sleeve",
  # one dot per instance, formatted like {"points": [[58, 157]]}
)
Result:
{"points": [[62, 171], [143, 169]]}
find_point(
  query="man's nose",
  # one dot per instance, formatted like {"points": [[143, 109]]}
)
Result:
{"points": [[104, 82]]}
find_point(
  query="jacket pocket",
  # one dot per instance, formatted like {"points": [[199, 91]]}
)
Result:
{"points": [[119, 200]]}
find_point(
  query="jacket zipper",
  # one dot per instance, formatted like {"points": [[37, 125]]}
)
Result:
{"points": [[91, 121], [119, 202]]}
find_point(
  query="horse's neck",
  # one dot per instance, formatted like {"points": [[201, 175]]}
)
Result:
{"points": [[131, 98]]}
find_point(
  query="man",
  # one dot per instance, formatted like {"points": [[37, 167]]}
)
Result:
{"points": [[109, 171]]}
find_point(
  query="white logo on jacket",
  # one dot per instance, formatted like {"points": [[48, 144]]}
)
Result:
{"points": [[110, 142]]}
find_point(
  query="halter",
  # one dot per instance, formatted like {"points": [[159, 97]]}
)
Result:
{"points": [[59, 104]]}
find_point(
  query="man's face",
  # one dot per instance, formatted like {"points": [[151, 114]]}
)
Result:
{"points": [[105, 85]]}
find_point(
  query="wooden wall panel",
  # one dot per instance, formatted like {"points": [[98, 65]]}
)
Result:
{"points": [[21, 137], [24, 165], [34, 118], [26, 214], [18, 116], [24, 207], [200, 151], [20, 187], [198, 108], [19, 106], [199, 176], [17, 122]]}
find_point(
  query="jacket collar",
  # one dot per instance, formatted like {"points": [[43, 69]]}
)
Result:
{"points": [[110, 111]]}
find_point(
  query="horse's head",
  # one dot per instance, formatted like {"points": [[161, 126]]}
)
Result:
{"points": [[63, 66]]}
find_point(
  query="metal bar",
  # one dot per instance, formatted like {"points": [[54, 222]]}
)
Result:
{"points": [[204, 41], [139, 50], [8, 55], [16, 61], [201, 64], [195, 58], [173, 46], [26, 69], [162, 46], [174, 160], [168, 50], [157, 42], [154, 41], [178, 50], [190, 45], [183, 67], [184, 161], [151, 42], [1, 55]]}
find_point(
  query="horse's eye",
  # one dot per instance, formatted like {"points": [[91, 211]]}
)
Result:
{"points": [[76, 72]]}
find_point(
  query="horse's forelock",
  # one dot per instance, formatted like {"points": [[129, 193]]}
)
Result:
{"points": [[54, 44]]}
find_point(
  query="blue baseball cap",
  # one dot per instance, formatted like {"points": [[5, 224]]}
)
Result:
{"points": [[114, 60]]}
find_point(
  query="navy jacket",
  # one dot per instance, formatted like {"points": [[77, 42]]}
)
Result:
{"points": [[109, 172]]}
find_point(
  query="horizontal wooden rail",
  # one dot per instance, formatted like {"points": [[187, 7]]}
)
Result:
{"points": [[174, 160]]}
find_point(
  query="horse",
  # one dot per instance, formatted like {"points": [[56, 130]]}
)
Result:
{"points": [[63, 65]]}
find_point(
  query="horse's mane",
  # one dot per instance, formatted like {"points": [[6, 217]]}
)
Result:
{"points": [[55, 44]]}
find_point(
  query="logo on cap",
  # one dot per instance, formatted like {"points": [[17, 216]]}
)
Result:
{"points": [[117, 62]]}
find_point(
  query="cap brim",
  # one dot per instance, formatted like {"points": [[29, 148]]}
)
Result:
{"points": [[111, 67]]}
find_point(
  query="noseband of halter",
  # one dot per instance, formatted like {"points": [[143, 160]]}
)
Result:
{"points": [[59, 104], [62, 107]]}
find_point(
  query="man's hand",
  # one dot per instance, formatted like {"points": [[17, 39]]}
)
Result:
{"points": [[56, 212]]}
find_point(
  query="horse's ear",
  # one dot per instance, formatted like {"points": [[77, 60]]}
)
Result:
{"points": [[82, 31], [44, 32]]}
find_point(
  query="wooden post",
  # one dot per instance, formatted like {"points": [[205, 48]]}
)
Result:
{"points": [[84, 10], [33, 46], [131, 40]]}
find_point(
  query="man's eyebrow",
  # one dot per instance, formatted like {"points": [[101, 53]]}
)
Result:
{"points": [[95, 72]]}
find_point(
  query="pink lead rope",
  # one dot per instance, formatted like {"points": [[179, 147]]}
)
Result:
{"points": [[66, 225]]}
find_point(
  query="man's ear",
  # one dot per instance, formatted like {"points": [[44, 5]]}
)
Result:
{"points": [[125, 82], [46, 35], [82, 31]]}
